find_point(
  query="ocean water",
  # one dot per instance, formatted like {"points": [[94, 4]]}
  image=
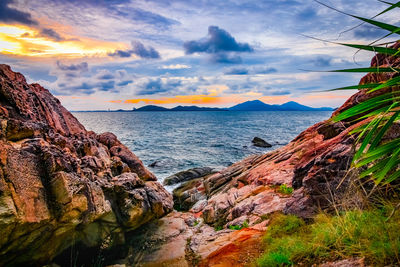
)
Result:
{"points": [[183, 140]]}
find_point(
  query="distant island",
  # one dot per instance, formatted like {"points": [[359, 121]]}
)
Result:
{"points": [[254, 105], [257, 105]]}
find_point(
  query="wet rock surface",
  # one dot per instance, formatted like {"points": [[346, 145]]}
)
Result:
{"points": [[257, 141], [61, 184]]}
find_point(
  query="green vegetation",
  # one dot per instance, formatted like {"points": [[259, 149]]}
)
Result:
{"points": [[284, 189], [239, 227], [370, 234], [218, 228], [379, 159]]}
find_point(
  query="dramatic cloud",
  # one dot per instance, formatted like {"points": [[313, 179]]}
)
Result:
{"points": [[220, 45], [139, 50], [11, 15], [218, 40]]}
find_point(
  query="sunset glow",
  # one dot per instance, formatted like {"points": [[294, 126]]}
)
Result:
{"points": [[24, 41]]}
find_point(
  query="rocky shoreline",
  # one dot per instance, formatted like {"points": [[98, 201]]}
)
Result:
{"points": [[61, 185], [64, 188]]}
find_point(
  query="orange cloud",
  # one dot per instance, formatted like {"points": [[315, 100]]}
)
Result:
{"points": [[26, 41], [186, 99]]}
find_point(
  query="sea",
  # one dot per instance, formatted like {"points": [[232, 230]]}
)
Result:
{"points": [[177, 141]]}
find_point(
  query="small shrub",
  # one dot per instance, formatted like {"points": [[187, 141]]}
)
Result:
{"points": [[239, 227], [218, 228], [235, 227], [286, 190]]}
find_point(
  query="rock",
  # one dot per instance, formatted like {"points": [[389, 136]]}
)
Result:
{"points": [[257, 141], [188, 194], [62, 185], [154, 164], [345, 263], [175, 240], [188, 175]]}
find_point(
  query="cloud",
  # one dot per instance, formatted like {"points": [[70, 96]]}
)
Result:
{"points": [[218, 40], [157, 86], [237, 71], [226, 58], [105, 75], [46, 33], [220, 45], [279, 92], [265, 70], [143, 52], [367, 32], [148, 17], [81, 67], [74, 79], [121, 53], [124, 83], [11, 15], [174, 67], [306, 14], [139, 50], [51, 34], [253, 70], [322, 62]]}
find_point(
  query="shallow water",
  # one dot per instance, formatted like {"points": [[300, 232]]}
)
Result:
{"points": [[183, 140]]}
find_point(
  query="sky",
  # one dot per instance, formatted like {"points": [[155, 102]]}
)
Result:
{"points": [[121, 54]]}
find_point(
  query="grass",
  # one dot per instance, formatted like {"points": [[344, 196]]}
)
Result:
{"points": [[239, 227], [367, 234], [286, 190]]}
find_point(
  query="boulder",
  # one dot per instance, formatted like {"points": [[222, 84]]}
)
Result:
{"points": [[257, 141], [61, 185], [188, 175]]}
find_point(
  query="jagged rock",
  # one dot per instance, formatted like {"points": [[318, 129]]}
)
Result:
{"points": [[188, 175], [61, 184], [257, 141]]}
